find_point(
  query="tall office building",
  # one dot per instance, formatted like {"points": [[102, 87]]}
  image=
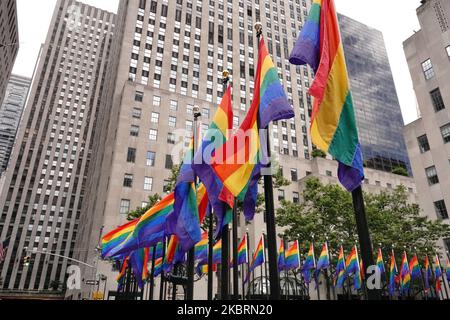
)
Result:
{"points": [[10, 114], [169, 57], [377, 109], [428, 138], [45, 186], [9, 42]]}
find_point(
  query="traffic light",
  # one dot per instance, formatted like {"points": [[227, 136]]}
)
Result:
{"points": [[26, 261]]}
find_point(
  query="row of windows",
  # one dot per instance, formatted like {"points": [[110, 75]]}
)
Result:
{"points": [[427, 66], [424, 144]]}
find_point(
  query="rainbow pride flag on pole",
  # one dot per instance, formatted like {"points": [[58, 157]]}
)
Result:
{"points": [[243, 251], [201, 248], [117, 236], [122, 274], [324, 259], [352, 266], [281, 257], [158, 266], [174, 254], [380, 262], [292, 257], [139, 265], [309, 264], [414, 268], [241, 170], [258, 259], [215, 137], [392, 274], [217, 252], [340, 269], [149, 230], [405, 275], [447, 270], [427, 274], [437, 273], [333, 125]]}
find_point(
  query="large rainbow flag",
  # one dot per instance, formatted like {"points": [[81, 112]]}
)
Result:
{"points": [[405, 275], [324, 259], [243, 251], [340, 269], [149, 230], [215, 137], [309, 265], [281, 257], [139, 264], [392, 274], [380, 262], [292, 260], [241, 170], [414, 268], [117, 236], [333, 125], [352, 266], [258, 259]]}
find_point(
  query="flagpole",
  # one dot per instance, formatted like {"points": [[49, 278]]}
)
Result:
{"points": [[442, 278], [152, 274], [270, 210], [161, 285], [286, 274], [248, 261], [210, 256], [421, 276], [225, 265], [235, 252]]}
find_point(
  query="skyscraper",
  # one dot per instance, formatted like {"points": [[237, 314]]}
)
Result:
{"points": [[45, 186], [169, 57], [9, 42], [428, 138], [10, 114], [377, 109]]}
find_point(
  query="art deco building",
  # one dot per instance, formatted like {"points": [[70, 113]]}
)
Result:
{"points": [[9, 42], [428, 138], [45, 185]]}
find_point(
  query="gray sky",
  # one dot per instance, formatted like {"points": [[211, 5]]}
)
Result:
{"points": [[396, 19]]}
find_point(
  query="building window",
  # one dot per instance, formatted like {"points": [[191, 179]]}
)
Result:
{"points": [[156, 101], [448, 51], [281, 195], [131, 155], [427, 68], [294, 175], [441, 210], [169, 162], [172, 122], [432, 175], [445, 130], [171, 138], [447, 244], [423, 143], [153, 135], [296, 197], [329, 174], [151, 156], [128, 180], [189, 109], [155, 117], [137, 113], [438, 102], [148, 184], [134, 131], [139, 96], [173, 105], [189, 126], [124, 206]]}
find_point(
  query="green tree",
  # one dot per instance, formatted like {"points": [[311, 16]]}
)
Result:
{"points": [[327, 213], [400, 171], [317, 153]]}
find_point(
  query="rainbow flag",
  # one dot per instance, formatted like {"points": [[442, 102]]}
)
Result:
{"points": [[241, 170], [405, 275], [352, 266], [204, 207], [324, 259], [281, 257], [292, 258], [202, 269], [447, 270], [333, 125], [159, 251], [427, 274], [217, 253], [392, 274], [340, 269], [215, 137], [437, 273], [117, 236], [380, 262], [201, 248], [174, 254], [414, 268], [309, 265], [158, 266], [120, 278], [243, 251], [139, 265], [258, 258], [149, 230]]}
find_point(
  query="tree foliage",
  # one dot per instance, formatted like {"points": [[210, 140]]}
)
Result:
{"points": [[326, 212]]}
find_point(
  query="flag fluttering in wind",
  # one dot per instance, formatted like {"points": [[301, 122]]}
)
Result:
{"points": [[158, 267], [241, 170], [139, 264], [202, 269], [340, 269], [405, 275], [121, 276], [217, 252], [159, 252], [437, 273], [148, 231], [215, 137], [309, 265], [428, 273], [447, 270], [324, 259], [174, 254], [414, 268], [292, 257], [333, 125], [380, 262], [201, 248], [117, 236], [243, 251], [393, 271], [352, 266], [258, 259], [281, 257]]}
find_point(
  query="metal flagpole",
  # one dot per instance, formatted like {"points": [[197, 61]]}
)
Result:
{"points": [[425, 294], [152, 274], [235, 253], [248, 262], [161, 285], [225, 265], [316, 276], [210, 256], [265, 266], [442, 278], [270, 211]]}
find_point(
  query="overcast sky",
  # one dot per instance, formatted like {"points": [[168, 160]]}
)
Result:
{"points": [[396, 19]]}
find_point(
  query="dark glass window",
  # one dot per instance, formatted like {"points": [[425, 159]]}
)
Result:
{"points": [[139, 96], [438, 102], [128, 180], [131, 155], [445, 130], [423, 143], [294, 175], [169, 161], [281, 195], [441, 209], [432, 175]]}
